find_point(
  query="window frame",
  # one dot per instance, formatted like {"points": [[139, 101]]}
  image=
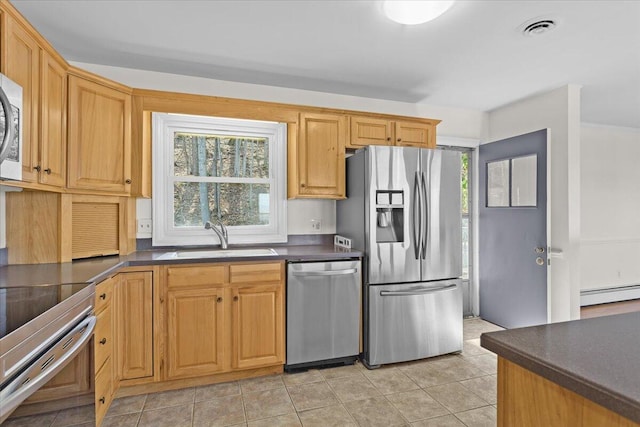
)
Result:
{"points": [[165, 233]]}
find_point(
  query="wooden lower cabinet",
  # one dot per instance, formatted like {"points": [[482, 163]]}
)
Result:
{"points": [[235, 322], [103, 344], [527, 399], [134, 314], [257, 325], [195, 335]]}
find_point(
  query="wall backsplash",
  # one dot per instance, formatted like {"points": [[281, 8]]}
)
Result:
{"points": [[300, 213]]}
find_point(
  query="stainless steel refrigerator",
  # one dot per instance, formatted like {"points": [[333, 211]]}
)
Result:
{"points": [[403, 210]]}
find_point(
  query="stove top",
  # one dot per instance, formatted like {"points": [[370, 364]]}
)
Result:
{"points": [[21, 304]]}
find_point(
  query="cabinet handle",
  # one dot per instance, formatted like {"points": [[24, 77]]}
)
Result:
{"points": [[127, 181], [103, 341], [37, 168], [48, 171], [103, 296], [388, 138], [302, 184], [219, 299], [102, 400], [399, 139], [235, 298]]}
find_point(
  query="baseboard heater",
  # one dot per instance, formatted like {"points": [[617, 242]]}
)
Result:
{"points": [[611, 294]]}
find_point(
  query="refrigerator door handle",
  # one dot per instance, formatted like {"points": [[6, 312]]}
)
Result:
{"points": [[425, 217], [417, 225], [421, 291]]}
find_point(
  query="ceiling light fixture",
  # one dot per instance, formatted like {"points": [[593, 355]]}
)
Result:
{"points": [[414, 12]]}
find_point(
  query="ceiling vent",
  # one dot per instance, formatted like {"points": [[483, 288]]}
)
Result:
{"points": [[537, 26]]}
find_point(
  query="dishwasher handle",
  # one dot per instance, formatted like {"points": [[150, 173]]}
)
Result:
{"points": [[422, 291], [325, 272]]}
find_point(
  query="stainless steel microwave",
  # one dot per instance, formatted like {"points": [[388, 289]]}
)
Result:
{"points": [[10, 129]]}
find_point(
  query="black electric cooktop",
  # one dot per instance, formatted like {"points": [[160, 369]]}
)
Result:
{"points": [[21, 304]]}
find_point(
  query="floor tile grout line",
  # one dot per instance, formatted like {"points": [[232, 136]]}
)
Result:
{"points": [[244, 406]]}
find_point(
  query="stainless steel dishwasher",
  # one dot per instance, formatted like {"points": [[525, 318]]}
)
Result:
{"points": [[323, 313]]}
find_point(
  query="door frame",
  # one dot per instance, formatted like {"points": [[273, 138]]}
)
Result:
{"points": [[471, 146]]}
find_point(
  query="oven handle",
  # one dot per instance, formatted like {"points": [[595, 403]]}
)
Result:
{"points": [[422, 291], [22, 386], [8, 127]]}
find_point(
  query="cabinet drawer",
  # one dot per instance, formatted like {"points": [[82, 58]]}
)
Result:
{"points": [[103, 337], [196, 276], [104, 294], [104, 390], [248, 273]]}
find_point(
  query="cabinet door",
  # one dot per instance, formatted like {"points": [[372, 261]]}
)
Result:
{"points": [[53, 113], [134, 317], [99, 137], [257, 326], [415, 135], [370, 131], [320, 156], [195, 336], [23, 67]]}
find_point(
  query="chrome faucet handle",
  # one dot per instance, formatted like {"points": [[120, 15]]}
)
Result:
{"points": [[221, 233], [223, 229]]}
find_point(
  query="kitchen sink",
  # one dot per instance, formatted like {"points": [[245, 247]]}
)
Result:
{"points": [[218, 253]]}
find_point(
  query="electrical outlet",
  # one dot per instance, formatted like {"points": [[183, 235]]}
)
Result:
{"points": [[316, 225], [145, 226]]}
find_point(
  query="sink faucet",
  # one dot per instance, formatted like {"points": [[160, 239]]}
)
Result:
{"points": [[220, 232]]}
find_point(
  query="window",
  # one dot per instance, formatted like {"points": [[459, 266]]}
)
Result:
{"points": [[214, 169], [512, 182]]}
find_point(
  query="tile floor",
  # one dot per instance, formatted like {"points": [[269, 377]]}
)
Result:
{"points": [[452, 390]]}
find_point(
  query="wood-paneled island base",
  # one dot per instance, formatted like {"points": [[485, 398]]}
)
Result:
{"points": [[578, 373]]}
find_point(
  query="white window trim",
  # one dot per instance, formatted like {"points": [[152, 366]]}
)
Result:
{"points": [[164, 231]]}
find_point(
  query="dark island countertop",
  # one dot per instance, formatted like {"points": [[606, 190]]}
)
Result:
{"points": [[597, 358], [99, 268]]}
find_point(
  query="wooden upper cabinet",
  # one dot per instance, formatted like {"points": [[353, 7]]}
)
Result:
{"points": [[99, 140], [375, 131], [415, 134], [22, 65], [53, 114], [370, 131], [43, 77], [319, 157]]}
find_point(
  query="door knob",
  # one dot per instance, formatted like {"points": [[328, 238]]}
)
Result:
{"points": [[540, 261]]}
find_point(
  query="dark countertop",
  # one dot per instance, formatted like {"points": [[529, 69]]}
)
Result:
{"points": [[597, 358], [97, 269]]}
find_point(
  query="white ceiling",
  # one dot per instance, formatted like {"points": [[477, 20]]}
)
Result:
{"points": [[473, 56]]}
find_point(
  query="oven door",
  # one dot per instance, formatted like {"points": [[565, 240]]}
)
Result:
{"points": [[10, 129], [46, 366], [412, 321]]}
